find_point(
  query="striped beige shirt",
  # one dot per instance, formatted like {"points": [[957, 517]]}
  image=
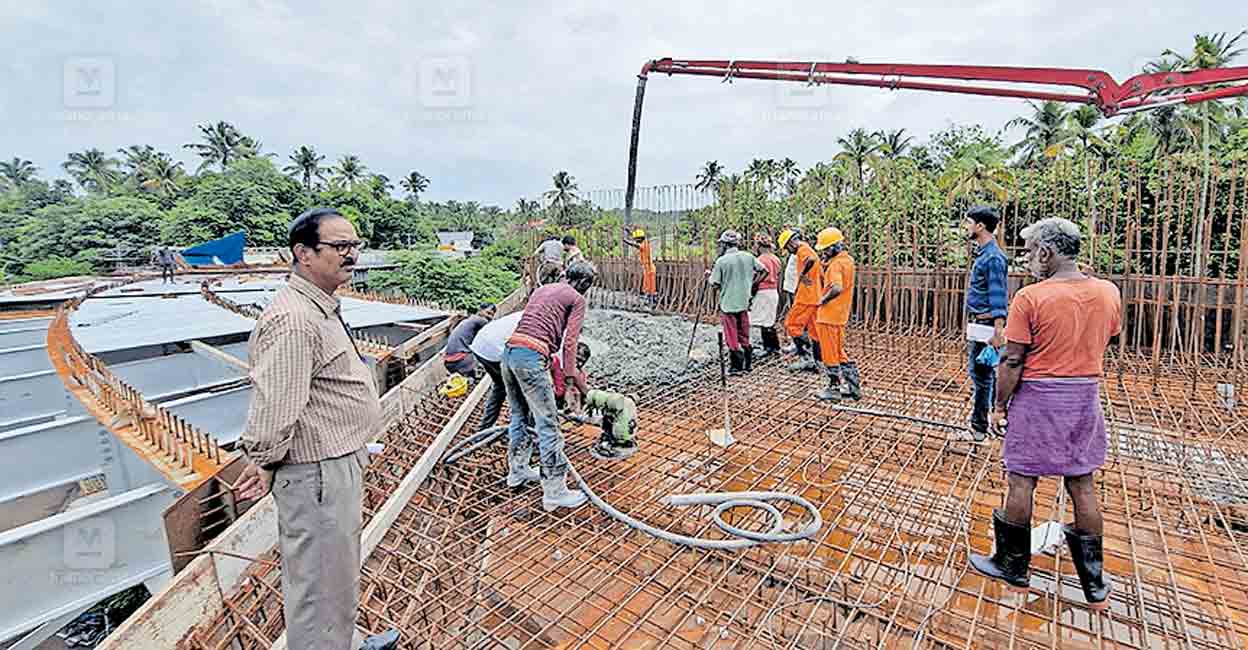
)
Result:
{"points": [[312, 397]]}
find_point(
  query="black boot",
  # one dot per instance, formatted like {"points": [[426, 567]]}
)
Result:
{"points": [[771, 341], [849, 372], [1088, 555], [1011, 554], [832, 391], [735, 363], [388, 640], [806, 362], [747, 358]]}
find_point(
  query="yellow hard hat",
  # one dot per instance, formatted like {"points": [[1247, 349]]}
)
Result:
{"points": [[638, 233], [828, 237], [785, 236], [456, 386]]}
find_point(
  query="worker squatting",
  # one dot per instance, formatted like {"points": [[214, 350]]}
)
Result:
{"points": [[1050, 341]]}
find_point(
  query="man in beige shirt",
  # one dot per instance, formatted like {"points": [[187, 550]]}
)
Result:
{"points": [[313, 408]]}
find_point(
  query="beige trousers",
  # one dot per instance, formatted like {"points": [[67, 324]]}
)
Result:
{"points": [[318, 527]]}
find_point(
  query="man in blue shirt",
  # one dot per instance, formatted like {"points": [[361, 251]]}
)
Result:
{"points": [[987, 295]]}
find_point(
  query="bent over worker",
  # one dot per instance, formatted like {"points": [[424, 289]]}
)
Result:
{"points": [[833, 315], [800, 322], [1048, 402], [735, 273], [551, 325], [458, 356], [313, 407]]}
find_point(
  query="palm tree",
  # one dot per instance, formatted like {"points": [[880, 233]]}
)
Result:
{"points": [[93, 170], [708, 178], [893, 144], [162, 176], [222, 144], [18, 172], [135, 158], [788, 171], [305, 164], [349, 170], [1209, 51], [978, 170], [562, 199], [527, 209], [727, 186], [380, 185], [763, 172], [414, 183], [859, 150], [1045, 128]]}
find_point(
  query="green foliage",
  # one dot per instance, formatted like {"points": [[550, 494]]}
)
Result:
{"points": [[254, 196], [56, 266], [190, 222], [462, 284]]}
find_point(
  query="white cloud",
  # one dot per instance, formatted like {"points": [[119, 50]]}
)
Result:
{"points": [[551, 83]]}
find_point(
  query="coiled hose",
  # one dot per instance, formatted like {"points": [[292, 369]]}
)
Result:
{"points": [[722, 501]]}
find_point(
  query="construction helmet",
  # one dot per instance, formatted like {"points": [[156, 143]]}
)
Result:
{"points": [[456, 386], [638, 233], [730, 237], [786, 235], [828, 237]]}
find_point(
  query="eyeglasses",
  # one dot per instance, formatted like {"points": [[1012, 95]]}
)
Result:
{"points": [[344, 246]]}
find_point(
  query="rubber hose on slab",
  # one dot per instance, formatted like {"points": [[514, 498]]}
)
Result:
{"points": [[722, 500]]}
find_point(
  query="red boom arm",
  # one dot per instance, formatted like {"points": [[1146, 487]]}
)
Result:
{"points": [[1140, 92]]}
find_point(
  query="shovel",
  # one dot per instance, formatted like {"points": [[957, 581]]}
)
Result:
{"points": [[722, 437]]}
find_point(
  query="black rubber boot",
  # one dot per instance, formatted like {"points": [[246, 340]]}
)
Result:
{"points": [[736, 364], [747, 358], [388, 640], [832, 392], [771, 341], [1087, 553], [849, 371], [806, 362], [1011, 553]]}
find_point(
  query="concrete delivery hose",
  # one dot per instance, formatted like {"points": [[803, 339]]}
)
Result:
{"points": [[723, 501]]}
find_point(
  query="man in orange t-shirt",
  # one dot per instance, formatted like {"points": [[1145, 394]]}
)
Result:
{"points": [[649, 283], [1056, 335], [833, 314], [800, 323]]}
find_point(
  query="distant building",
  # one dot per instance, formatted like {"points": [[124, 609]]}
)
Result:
{"points": [[456, 245]]}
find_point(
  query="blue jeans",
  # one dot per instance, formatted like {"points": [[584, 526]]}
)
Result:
{"points": [[531, 396], [984, 380]]}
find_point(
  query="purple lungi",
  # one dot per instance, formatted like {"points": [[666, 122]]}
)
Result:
{"points": [[1055, 428]]}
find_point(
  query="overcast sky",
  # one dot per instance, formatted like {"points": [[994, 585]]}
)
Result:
{"points": [[489, 99]]}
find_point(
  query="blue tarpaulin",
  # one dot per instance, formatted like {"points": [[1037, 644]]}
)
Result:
{"points": [[226, 250]]}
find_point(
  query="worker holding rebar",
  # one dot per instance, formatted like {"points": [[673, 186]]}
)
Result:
{"points": [[986, 303], [458, 356], [766, 299], [735, 273], [649, 274], [313, 407], [800, 323], [1048, 405], [551, 325], [833, 316]]}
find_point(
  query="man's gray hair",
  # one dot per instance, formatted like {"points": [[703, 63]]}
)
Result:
{"points": [[1060, 234]]}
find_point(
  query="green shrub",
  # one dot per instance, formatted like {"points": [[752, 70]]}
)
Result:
{"points": [[56, 267], [461, 284]]}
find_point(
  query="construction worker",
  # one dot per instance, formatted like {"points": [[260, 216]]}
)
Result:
{"points": [[735, 273], [572, 253], [766, 300], [458, 356], [1048, 406], [487, 347], [619, 424], [549, 259], [833, 315], [164, 257], [551, 326], [986, 305], [649, 284], [800, 323]]}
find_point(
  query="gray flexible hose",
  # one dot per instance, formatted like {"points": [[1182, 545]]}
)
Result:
{"points": [[722, 500]]}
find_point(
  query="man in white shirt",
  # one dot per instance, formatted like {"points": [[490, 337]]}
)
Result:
{"points": [[488, 348]]}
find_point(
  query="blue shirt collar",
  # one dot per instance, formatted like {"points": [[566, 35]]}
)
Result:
{"points": [[991, 245]]}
